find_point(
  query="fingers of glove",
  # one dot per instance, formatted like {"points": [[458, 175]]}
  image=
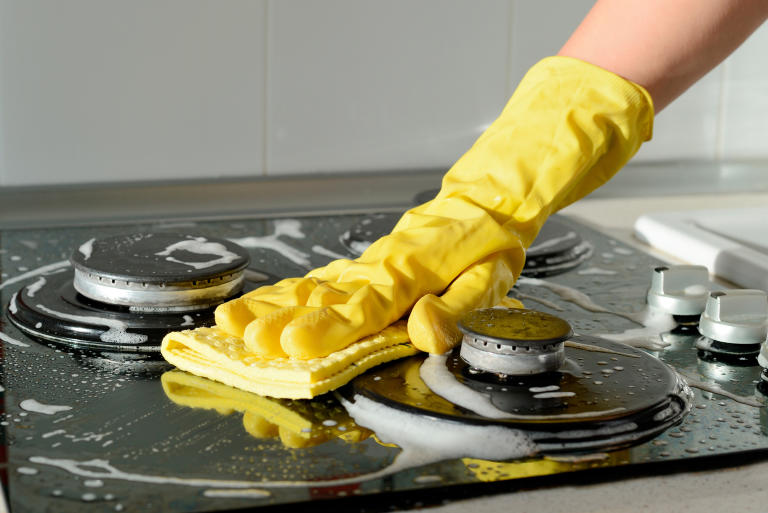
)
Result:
{"points": [[262, 335], [234, 316], [330, 293], [325, 330], [432, 322]]}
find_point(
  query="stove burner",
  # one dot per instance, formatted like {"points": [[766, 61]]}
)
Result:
{"points": [[513, 341], [557, 249], [159, 272], [608, 398], [126, 292]]}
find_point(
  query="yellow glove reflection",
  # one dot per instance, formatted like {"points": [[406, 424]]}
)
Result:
{"points": [[297, 423], [567, 129]]}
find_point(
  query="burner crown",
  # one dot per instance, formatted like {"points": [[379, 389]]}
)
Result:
{"points": [[513, 341]]}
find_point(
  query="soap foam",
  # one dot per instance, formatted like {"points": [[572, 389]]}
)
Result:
{"points": [[33, 288], [86, 248], [439, 379], [596, 270], [117, 329], [288, 227], [12, 341], [552, 242], [199, 246], [46, 269], [37, 407], [320, 250]]}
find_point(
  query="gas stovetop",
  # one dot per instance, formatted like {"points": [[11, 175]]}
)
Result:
{"points": [[92, 427]]}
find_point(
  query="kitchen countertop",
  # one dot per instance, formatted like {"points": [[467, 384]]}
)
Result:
{"points": [[730, 487]]}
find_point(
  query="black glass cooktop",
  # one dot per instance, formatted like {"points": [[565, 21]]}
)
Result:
{"points": [[95, 431]]}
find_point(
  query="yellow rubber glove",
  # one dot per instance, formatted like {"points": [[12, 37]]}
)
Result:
{"points": [[566, 130]]}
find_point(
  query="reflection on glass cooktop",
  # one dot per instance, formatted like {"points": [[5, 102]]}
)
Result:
{"points": [[89, 431]]}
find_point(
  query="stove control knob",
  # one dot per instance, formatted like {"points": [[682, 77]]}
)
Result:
{"points": [[679, 289], [762, 358], [736, 316]]}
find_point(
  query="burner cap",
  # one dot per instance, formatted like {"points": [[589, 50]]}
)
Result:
{"points": [[159, 272], [513, 341]]}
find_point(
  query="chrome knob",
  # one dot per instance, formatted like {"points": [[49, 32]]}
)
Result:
{"points": [[736, 316], [679, 289]]}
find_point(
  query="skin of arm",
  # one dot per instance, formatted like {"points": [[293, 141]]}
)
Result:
{"points": [[663, 45]]}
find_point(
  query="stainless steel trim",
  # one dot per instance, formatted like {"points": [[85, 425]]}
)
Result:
{"points": [[519, 364], [149, 297]]}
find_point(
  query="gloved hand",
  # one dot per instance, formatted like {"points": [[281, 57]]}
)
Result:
{"points": [[566, 130]]}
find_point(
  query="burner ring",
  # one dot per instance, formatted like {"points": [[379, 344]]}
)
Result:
{"points": [[513, 341], [152, 297]]}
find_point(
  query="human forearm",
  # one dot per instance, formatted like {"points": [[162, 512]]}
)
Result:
{"points": [[663, 45]]}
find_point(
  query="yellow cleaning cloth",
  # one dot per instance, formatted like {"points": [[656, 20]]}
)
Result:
{"points": [[211, 353], [297, 423]]}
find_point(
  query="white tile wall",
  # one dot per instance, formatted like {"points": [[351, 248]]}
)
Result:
{"points": [[108, 90], [365, 84], [745, 120]]}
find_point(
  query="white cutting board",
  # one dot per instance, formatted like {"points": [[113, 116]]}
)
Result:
{"points": [[732, 242]]}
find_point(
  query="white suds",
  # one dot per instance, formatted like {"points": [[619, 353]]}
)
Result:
{"points": [[199, 246], [327, 252], [32, 288], [27, 471], [46, 409], [438, 378], [708, 387], [550, 395], [359, 246], [578, 298], [46, 269], [538, 390], [12, 307], [425, 440], [654, 322], [86, 248], [552, 242], [597, 349], [549, 304], [93, 483], [247, 493], [428, 479], [255, 276], [596, 270], [117, 329], [5, 338], [53, 433], [188, 321], [623, 251], [287, 227]]}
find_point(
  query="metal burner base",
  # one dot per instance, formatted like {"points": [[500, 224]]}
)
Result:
{"points": [[597, 401]]}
